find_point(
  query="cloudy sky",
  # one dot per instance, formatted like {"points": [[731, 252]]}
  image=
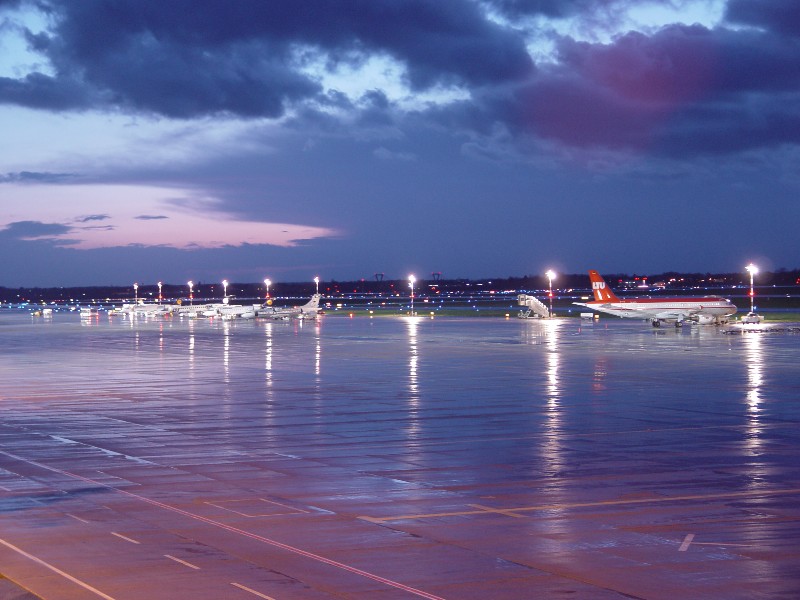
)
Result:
{"points": [[143, 140]]}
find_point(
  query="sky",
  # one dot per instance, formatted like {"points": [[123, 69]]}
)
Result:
{"points": [[201, 140]]}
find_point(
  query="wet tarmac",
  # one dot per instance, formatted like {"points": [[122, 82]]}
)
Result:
{"points": [[398, 458]]}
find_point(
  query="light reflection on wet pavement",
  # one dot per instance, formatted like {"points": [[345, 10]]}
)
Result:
{"points": [[397, 457]]}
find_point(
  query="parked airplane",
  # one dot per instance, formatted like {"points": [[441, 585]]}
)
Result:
{"points": [[141, 309], [705, 310], [192, 310], [308, 310], [233, 311]]}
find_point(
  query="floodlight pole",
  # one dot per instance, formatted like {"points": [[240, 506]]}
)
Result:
{"points": [[752, 269], [550, 276], [411, 280]]}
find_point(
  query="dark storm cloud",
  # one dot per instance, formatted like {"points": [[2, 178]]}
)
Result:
{"points": [[779, 16], [98, 228], [597, 12], [35, 177], [36, 90], [679, 90], [22, 230], [547, 8], [187, 58], [682, 91], [89, 218]]}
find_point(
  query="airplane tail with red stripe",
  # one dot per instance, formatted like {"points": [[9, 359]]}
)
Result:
{"points": [[602, 293]]}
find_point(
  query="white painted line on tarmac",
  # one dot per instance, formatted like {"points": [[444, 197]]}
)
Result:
{"points": [[220, 504], [686, 542], [127, 539], [265, 540], [39, 561], [183, 562], [247, 589], [77, 518]]}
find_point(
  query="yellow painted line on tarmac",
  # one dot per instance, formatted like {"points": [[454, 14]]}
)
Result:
{"points": [[500, 511], [244, 533], [47, 565], [602, 503], [723, 545]]}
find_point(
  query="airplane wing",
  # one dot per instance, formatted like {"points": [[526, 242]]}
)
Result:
{"points": [[674, 315]]}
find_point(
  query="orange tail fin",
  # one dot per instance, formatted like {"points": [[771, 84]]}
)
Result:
{"points": [[602, 293]]}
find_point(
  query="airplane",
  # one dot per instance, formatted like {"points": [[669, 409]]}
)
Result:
{"points": [[233, 311], [705, 311], [192, 310], [141, 309], [308, 310]]}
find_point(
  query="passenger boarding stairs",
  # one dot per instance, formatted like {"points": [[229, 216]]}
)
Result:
{"points": [[531, 305]]}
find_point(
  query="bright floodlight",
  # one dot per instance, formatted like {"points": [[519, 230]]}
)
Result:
{"points": [[550, 276], [267, 283], [411, 280], [316, 283], [752, 269], [159, 292]]}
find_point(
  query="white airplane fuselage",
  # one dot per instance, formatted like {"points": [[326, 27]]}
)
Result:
{"points": [[665, 308], [310, 310], [704, 310]]}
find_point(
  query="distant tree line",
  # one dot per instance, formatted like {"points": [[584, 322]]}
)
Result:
{"points": [[422, 287]]}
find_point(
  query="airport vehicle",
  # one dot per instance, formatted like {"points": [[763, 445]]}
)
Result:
{"points": [[531, 306], [752, 318], [703, 310], [307, 311]]}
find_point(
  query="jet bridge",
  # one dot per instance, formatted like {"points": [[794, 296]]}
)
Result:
{"points": [[532, 307]]}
